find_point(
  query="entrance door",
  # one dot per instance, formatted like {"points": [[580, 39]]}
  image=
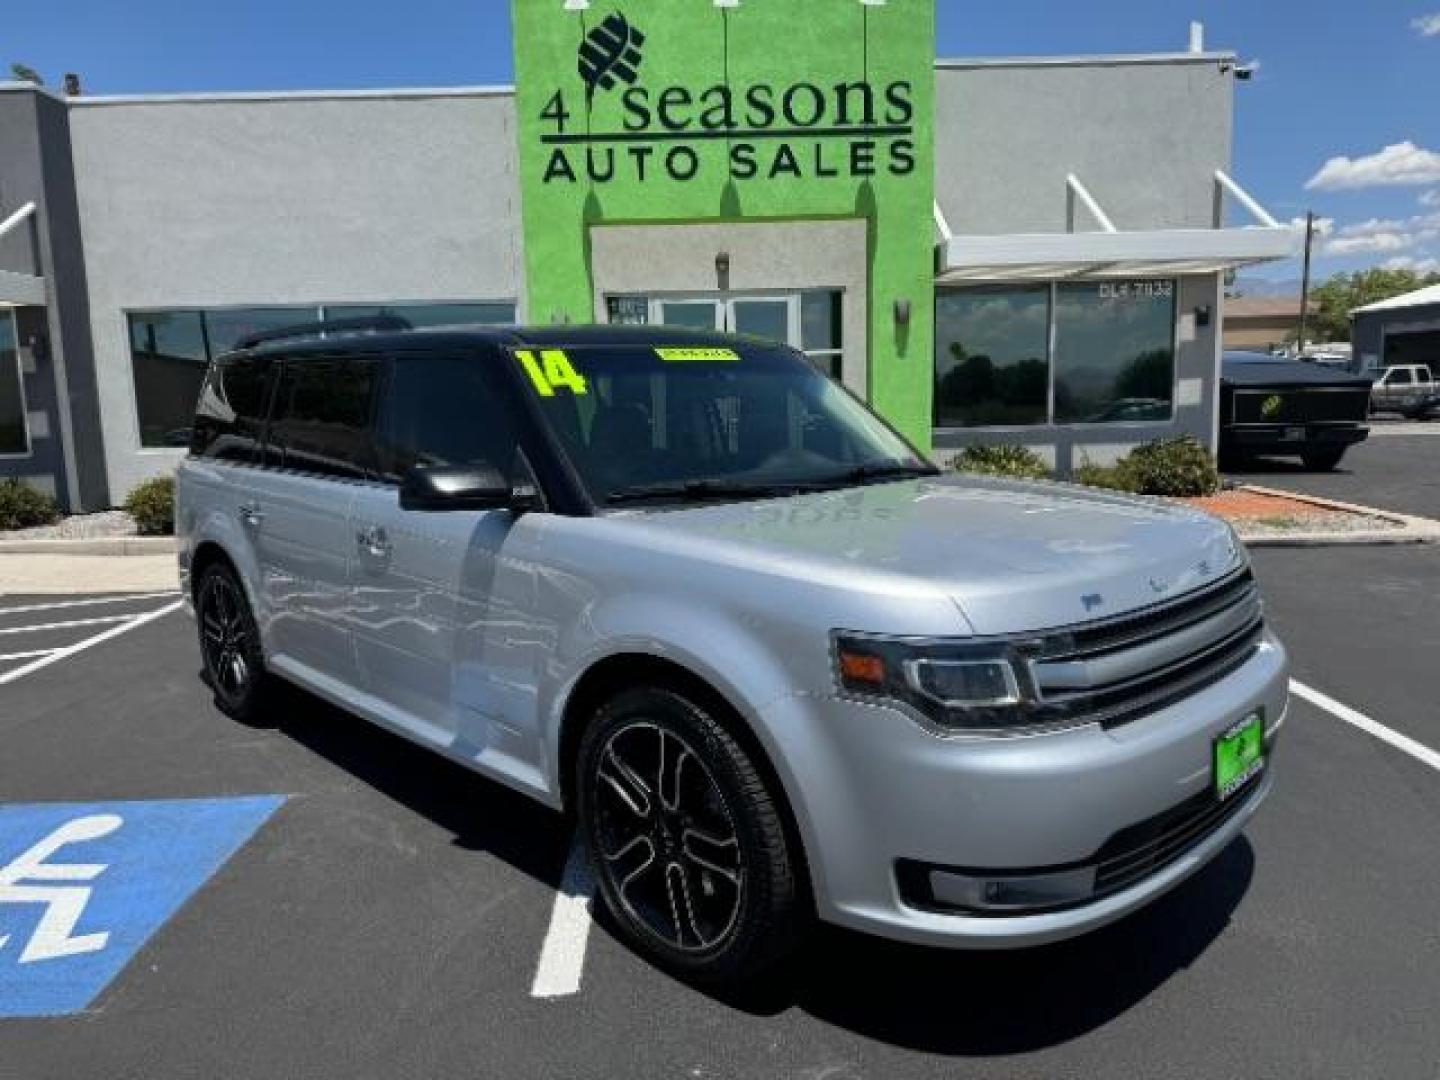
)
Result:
{"points": [[808, 321]]}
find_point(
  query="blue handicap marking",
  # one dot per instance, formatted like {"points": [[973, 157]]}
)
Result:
{"points": [[84, 885]]}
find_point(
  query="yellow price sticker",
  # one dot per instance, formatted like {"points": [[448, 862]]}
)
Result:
{"points": [[701, 356], [550, 371]]}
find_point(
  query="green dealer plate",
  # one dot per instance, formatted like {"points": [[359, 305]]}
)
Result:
{"points": [[1240, 754]]}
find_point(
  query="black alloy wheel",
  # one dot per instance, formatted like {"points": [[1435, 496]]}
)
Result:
{"points": [[685, 840], [229, 643]]}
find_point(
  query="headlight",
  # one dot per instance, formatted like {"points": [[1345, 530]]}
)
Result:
{"points": [[958, 687]]}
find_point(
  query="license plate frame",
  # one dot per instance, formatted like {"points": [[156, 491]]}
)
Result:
{"points": [[1237, 754]]}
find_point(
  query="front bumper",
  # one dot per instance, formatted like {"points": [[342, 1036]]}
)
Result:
{"points": [[873, 791], [1273, 437]]}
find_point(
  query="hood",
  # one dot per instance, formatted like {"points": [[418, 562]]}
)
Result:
{"points": [[1015, 556]]}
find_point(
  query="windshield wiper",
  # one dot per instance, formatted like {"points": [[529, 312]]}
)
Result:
{"points": [[883, 470], [702, 490]]}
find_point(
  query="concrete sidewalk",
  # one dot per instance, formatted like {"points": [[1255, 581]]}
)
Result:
{"points": [[57, 574]]}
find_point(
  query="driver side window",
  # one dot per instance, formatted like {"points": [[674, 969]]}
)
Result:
{"points": [[442, 410]]}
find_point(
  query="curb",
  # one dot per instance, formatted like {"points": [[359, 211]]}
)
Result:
{"points": [[104, 545], [1412, 530]]}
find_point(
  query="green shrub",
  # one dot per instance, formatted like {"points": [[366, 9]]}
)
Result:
{"points": [[1176, 467], [22, 506], [1016, 461], [152, 505], [1117, 477]]}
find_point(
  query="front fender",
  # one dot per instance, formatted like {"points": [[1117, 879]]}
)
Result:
{"points": [[712, 645]]}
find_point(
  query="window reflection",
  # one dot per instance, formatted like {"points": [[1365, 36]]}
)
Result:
{"points": [[990, 356], [13, 438], [1114, 351]]}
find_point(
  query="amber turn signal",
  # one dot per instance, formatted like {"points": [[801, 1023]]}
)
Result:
{"points": [[862, 668]]}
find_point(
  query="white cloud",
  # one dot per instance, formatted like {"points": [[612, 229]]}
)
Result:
{"points": [[1431, 198], [1427, 25], [1373, 236], [1428, 264], [1400, 164]]}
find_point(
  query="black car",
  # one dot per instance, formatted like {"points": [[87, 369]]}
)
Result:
{"points": [[1276, 406]]}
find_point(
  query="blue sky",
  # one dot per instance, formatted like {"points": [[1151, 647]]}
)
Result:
{"points": [[1335, 80]]}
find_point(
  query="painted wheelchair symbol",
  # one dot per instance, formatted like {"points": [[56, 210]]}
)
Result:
{"points": [[27, 880]]}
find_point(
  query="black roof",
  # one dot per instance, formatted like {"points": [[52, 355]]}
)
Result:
{"points": [[461, 337], [1260, 369]]}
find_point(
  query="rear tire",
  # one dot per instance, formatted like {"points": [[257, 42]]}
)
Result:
{"points": [[1322, 460], [230, 644], [685, 840]]}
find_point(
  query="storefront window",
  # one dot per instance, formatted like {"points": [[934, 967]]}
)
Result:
{"points": [[488, 314], [1114, 351], [168, 351], [991, 349], [13, 437], [225, 327]]}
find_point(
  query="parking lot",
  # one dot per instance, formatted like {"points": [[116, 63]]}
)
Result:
{"points": [[392, 915]]}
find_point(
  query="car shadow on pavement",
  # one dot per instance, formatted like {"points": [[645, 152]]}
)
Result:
{"points": [[1263, 466], [987, 1003], [939, 1001], [479, 813]]}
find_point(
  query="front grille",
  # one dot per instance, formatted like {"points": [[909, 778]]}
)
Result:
{"points": [[1142, 849], [1289, 405], [1121, 669]]}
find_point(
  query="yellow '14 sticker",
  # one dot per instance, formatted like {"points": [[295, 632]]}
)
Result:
{"points": [[550, 371]]}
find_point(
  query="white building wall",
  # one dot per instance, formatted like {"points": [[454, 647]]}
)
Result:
{"points": [[253, 200]]}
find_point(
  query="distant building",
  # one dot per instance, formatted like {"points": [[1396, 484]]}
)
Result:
{"points": [[1402, 330], [1261, 323]]}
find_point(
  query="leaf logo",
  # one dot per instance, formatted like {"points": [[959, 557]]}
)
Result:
{"points": [[611, 51], [1271, 406]]}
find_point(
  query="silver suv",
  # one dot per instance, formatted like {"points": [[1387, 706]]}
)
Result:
{"points": [[776, 664]]}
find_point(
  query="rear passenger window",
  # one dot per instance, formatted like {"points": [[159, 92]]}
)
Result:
{"points": [[1400, 377], [443, 410], [321, 419], [230, 415]]}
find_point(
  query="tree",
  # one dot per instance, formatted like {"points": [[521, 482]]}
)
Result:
{"points": [[1338, 296], [25, 73]]}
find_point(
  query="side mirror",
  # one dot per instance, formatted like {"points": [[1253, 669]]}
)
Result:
{"points": [[461, 487]]}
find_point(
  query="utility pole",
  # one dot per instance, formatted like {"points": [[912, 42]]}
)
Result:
{"points": [[1305, 280]]}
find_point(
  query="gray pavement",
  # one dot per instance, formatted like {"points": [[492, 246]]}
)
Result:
{"points": [[1389, 471], [387, 921]]}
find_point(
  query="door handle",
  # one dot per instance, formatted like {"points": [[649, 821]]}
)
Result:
{"points": [[251, 515], [373, 541]]}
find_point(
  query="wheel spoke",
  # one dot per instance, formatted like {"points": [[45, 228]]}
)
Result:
{"points": [[668, 787], [681, 910], [626, 783], [718, 854]]}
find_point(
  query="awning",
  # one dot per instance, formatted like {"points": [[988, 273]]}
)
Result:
{"points": [[1109, 252]]}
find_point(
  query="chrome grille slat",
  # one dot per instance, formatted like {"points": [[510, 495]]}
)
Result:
{"points": [[1123, 668]]}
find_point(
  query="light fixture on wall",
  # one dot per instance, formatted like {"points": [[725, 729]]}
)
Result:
{"points": [[902, 312], [722, 270], [1202, 315], [874, 3], [577, 5], [726, 3]]}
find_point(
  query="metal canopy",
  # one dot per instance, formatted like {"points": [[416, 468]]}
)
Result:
{"points": [[17, 289], [1111, 252]]}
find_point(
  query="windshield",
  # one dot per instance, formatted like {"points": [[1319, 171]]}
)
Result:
{"points": [[662, 423]]}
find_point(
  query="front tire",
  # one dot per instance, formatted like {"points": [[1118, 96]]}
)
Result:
{"points": [[230, 644], [686, 841], [1322, 460]]}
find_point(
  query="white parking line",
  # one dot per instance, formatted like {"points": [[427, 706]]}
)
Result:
{"points": [[7, 657], [128, 598], [101, 620], [1419, 751], [562, 957], [132, 621]]}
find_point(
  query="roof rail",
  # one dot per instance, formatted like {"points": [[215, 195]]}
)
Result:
{"points": [[371, 324]]}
